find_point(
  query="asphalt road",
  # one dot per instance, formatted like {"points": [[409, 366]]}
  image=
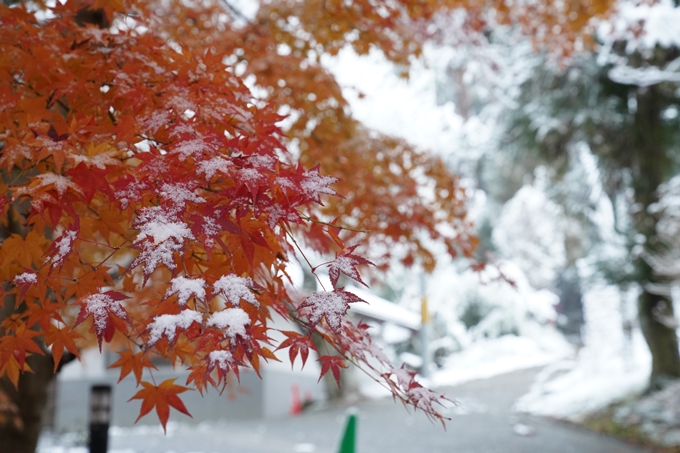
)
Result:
{"points": [[484, 423]]}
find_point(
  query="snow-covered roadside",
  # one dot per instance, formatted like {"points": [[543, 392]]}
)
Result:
{"points": [[484, 359], [607, 369], [493, 357]]}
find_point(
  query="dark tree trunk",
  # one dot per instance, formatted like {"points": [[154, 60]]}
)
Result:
{"points": [[650, 168], [657, 321], [30, 399], [23, 409]]}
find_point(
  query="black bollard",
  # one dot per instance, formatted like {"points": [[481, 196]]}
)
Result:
{"points": [[100, 418]]}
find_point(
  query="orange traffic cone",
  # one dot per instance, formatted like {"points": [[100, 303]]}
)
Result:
{"points": [[296, 406]]}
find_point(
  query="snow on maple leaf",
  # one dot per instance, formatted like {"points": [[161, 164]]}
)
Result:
{"points": [[210, 223], [417, 395], [156, 121], [377, 353], [313, 185], [262, 161], [99, 161], [286, 183], [154, 254], [38, 201], [223, 361], [252, 178], [276, 213], [149, 62], [180, 193], [168, 324], [193, 147], [185, 288], [183, 130], [14, 152], [101, 306], [209, 228], [358, 343], [27, 278], [331, 305], [220, 359], [346, 263], [161, 235], [60, 183], [54, 143], [96, 34], [25, 281], [155, 166], [128, 190], [422, 399], [180, 102], [235, 288], [232, 320], [61, 248], [161, 224], [212, 166], [219, 108], [404, 377]]}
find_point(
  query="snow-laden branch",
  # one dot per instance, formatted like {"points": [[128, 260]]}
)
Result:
{"points": [[646, 76]]}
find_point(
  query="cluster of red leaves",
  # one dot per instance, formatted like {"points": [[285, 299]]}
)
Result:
{"points": [[382, 179], [149, 204]]}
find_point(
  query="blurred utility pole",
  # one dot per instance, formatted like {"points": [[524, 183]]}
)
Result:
{"points": [[425, 328], [100, 418]]}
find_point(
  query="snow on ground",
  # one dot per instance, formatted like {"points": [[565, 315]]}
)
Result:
{"points": [[492, 357], [610, 366]]}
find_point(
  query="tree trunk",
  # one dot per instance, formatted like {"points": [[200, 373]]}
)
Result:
{"points": [[30, 400], [650, 168], [22, 411], [657, 322]]}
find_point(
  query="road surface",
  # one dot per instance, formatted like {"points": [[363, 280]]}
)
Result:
{"points": [[484, 423]]}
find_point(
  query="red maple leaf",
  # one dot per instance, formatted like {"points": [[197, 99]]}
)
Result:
{"points": [[89, 179], [333, 363], [297, 343]]}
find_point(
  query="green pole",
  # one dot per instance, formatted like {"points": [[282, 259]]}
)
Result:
{"points": [[349, 438]]}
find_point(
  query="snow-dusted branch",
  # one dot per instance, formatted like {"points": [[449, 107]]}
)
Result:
{"points": [[646, 76]]}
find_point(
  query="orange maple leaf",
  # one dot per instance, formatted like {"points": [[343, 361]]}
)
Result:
{"points": [[24, 251], [18, 344], [61, 339], [13, 370], [134, 363], [162, 397], [13, 352]]}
